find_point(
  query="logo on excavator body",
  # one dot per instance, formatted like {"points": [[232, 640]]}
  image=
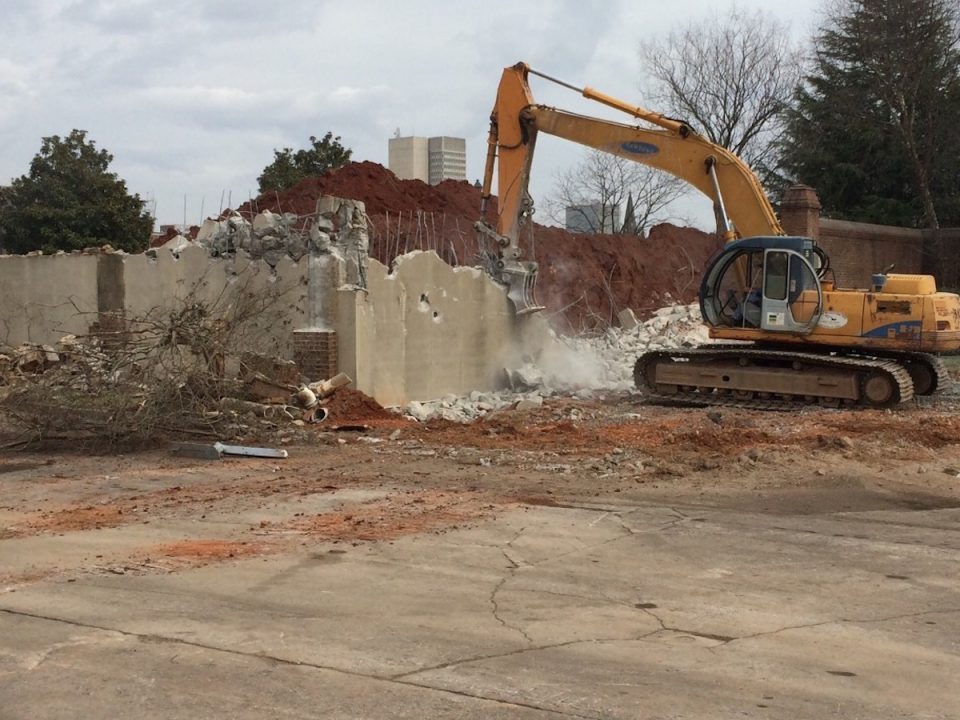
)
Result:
{"points": [[640, 148]]}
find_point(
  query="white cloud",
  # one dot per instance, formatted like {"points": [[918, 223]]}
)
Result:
{"points": [[191, 97]]}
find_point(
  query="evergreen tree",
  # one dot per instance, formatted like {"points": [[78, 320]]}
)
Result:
{"points": [[876, 126], [289, 167], [69, 200]]}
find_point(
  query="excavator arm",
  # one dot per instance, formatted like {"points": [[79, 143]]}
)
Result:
{"points": [[741, 206]]}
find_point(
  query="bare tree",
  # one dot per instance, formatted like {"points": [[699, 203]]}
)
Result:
{"points": [[731, 77], [612, 194]]}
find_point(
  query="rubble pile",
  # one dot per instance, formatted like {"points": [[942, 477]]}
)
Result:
{"points": [[332, 225], [670, 328], [578, 366]]}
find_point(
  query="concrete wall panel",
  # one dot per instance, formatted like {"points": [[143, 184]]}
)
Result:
{"points": [[44, 297], [458, 326], [273, 300]]}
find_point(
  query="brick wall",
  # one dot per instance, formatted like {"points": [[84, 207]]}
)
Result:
{"points": [[858, 250], [315, 352], [943, 258]]}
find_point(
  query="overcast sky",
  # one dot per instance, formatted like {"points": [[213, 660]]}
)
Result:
{"points": [[192, 96]]}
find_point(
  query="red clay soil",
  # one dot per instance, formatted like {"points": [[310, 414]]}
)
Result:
{"points": [[409, 513], [205, 549], [350, 405], [381, 191], [664, 436], [585, 279]]}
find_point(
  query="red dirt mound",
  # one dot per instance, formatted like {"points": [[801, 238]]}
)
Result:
{"points": [[585, 279], [381, 191], [350, 405]]}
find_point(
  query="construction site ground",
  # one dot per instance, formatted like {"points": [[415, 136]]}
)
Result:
{"points": [[597, 558]]}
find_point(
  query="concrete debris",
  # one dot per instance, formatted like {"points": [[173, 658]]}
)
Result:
{"points": [[338, 226], [310, 397], [178, 243], [260, 388], [628, 320], [579, 366], [27, 359], [530, 403]]}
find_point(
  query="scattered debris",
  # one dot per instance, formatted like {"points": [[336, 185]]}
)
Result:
{"points": [[584, 367], [156, 378]]}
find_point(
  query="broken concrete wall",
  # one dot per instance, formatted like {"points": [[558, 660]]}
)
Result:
{"points": [[44, 297], [421, 332], [425, 330]]}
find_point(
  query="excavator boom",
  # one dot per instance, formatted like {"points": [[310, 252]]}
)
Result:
{"points": [[672, 147]]}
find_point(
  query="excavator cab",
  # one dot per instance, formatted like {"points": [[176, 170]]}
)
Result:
{"points": [[764, 283]]}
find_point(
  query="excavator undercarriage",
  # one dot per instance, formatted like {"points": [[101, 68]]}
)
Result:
{"points": [[762, 378]]}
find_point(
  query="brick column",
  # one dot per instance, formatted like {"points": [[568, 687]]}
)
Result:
{"points": [[315, 352], [800, 212]]}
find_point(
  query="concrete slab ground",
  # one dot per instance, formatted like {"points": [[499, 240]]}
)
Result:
{"points": [[624, 609]]}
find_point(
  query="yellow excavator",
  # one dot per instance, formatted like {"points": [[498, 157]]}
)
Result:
{"points": [[800, 340]]}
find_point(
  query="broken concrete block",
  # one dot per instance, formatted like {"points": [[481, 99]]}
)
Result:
{"points": [[530, 403], [30, 359], [327, 205], [209, 229], [628, 320], [526, 378], [262, 389], [177, 244], [266, 223], [417, 411]]}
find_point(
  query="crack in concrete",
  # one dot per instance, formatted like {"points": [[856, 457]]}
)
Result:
{"points": [[521, 651], [496, 609], [588, 548], [513, 563], [264, 657], [727, 639], [511, 569]]}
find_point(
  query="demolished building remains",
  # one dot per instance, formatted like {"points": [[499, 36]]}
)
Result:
{"points": [[370, 287]]}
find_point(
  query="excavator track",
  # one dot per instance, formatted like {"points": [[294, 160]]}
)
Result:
{"points": [[748, 377], [927, 371]]}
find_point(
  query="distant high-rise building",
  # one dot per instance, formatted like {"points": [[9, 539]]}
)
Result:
{"points": [[593, 218], [448, 159], [429, 159], [409, 158]]}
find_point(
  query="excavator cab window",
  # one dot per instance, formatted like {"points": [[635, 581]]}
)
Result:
{"points": [[736, 299], [775, 281], [792, 298], [762, 287]]}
